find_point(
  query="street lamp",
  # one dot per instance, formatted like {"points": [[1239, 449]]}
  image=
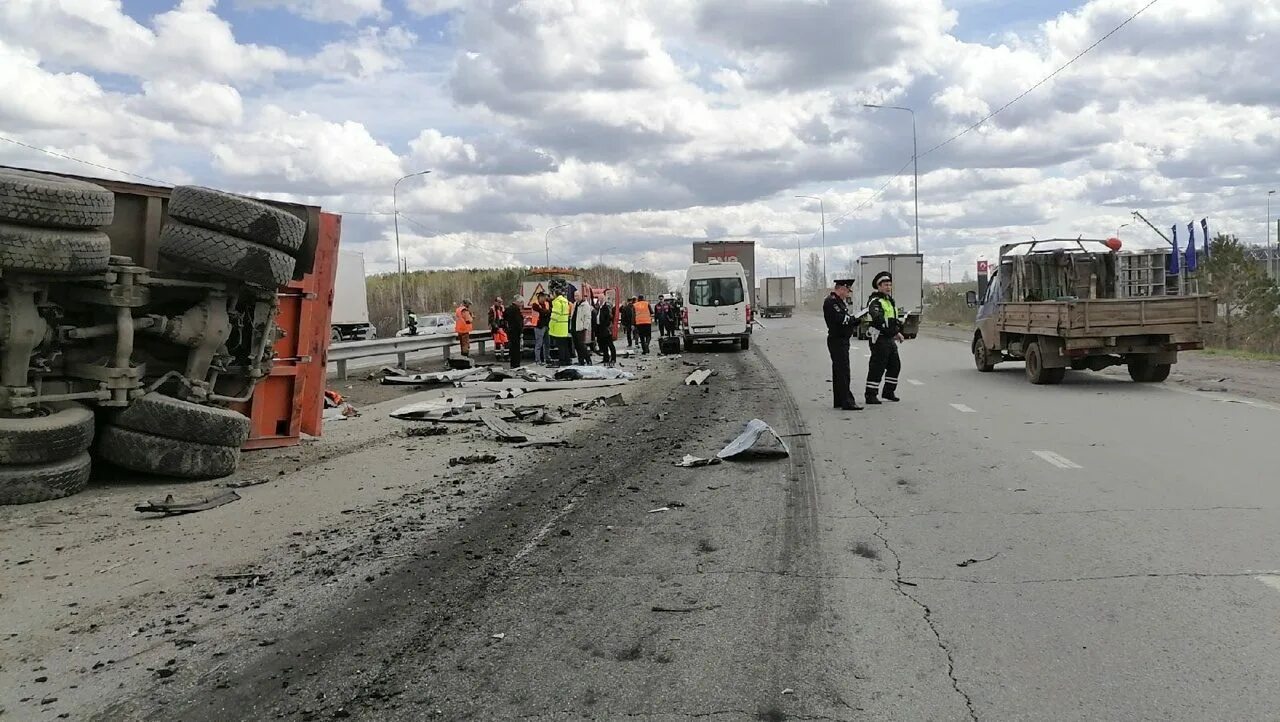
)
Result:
{"points": [[1122, 225], [546, 240], [395, 214], [823, 216], [915, 161]]}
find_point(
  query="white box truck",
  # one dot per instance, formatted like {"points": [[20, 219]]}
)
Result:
{"points": [[778, 297], [350, 321], [908, 286]]}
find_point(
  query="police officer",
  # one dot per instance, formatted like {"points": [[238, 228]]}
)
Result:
{"points": [[840, 326], [886, 334]]}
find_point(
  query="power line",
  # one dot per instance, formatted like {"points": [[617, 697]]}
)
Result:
{"points": [[64, 156], [1042, 81]]}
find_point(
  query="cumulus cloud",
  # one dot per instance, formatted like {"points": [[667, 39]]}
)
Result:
{"points": [[325, 11], [373, 52]]}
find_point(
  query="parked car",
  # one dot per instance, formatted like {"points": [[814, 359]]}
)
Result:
{"points": [[432, 324], [717, 307]]}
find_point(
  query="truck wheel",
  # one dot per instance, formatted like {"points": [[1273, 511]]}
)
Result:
{"points": [[238, 216], [53, 432], [40, 199], [29, 483], [745, 343], [223, 255], [1036, 372], [48, 250], [335, 336], [1143, 371], [152, 454], [688, 345], [982, 356], [172, 418]]}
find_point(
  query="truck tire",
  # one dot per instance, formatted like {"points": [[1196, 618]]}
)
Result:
{"points": [[1143, 371], [29, 483], [49, 250], [55, 432], [224, 255], [982, 355], [237, 216], [161, 415], [158, 455], [745, 343], [688, 345], [1036, 372], [50, 201]]}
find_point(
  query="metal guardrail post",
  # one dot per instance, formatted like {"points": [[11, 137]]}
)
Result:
{"points": [[342, 369]]}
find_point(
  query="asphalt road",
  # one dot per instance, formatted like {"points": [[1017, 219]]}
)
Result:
{"points": [[985, 549]]}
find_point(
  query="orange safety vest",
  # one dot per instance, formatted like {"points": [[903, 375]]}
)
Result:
{"points": [[462, 320], [644, 316]]}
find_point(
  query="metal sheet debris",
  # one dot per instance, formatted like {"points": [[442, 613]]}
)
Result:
{"points": [[473, 459], [592, 373], [437, 377], [757, 439], [170, 506], [432, 430], [697, 378], [597, 402], [501, 430], [498, 386], [690, 460], [435, 410]]}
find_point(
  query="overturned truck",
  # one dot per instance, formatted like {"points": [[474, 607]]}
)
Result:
{"points": [[114, 347]]}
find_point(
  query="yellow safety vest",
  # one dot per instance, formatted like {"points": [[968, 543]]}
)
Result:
{"points": [[559, 326]]}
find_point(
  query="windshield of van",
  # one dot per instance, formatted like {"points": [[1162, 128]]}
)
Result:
{"points": [[715, 292]]}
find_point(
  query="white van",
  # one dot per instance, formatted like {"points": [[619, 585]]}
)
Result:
{"points": [[717, 304]]}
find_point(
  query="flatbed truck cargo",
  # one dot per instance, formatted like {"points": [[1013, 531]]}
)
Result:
{"points": [[1057, 309]]}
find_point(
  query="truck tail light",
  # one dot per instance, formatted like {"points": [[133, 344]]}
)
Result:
{"points": [[684, 316], [748, 314]]}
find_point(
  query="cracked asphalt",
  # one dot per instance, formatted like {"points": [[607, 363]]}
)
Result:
{"points": [[984, 550]]}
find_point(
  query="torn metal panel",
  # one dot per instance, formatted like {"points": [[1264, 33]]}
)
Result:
{"points": [[497, 387], [592, 373], [697, 378], [502, 431], [757, 439], [690, 460], [170, 506], [436, 410], [437, 377]]}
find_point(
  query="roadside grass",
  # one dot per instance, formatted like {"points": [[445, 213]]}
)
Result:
{"points": [[1241, 354]]}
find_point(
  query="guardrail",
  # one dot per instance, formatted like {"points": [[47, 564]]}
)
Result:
{"points": [[401, 346]]}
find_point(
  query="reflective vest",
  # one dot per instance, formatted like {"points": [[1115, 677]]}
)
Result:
{"points": [[462, 320], [890, 313], [559, 326], [644, 316]]}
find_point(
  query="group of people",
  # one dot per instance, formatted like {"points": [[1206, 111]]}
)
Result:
{"points": [[884, 332], [571, 324], [637, 317]]}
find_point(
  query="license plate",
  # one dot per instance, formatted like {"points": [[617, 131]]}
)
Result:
{"points": [[704, 329]]}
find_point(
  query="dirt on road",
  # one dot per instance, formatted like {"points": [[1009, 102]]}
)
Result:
{"points": [[371, 578]]}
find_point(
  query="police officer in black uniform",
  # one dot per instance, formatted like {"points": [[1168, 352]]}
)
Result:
{"points": [[886, 333], [840, 326]]}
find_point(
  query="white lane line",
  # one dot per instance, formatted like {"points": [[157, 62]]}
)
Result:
{"points": [[1057, 460], [963, 409], [913, 382], [1270, 580]]}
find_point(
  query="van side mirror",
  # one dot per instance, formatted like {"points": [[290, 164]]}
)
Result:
{"points": [[971, 299]]}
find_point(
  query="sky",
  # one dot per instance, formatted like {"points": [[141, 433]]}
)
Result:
{"points": [[641, 126]]}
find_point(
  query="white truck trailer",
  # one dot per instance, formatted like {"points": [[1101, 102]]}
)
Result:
{"points": [[778, 297], [908, 286], [350, 301]]}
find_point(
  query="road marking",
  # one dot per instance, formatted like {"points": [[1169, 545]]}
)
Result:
{"points": [[1057, 460], [963, 409], [913, 382], [1270, 580]]}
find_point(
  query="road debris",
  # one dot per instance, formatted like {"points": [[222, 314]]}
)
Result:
{"points": [[419, 431], [437, 377], [498, 636], [690, 460], [698, 378], [592, 373], [968, 562], [659, 509], [502, 431], [533, 443], [683, 610], [436, 410], [511, 393], [473, 459], [788, 690], [461, 362], [172, 507], [614, 400], [757, 440], [246, 483], [340, 413]]}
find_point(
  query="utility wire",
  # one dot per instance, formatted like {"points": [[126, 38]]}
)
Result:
{"points": [[84, 162], [1042, 81]]}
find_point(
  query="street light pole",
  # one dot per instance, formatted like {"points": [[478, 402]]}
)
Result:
{"points": [[546, 241], [915, 161], [1270, 261], [1122, 225], [822, 211], [395, 214]]}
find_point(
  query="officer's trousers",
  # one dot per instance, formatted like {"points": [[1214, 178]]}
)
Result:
{"points": [[884, 363], [838, 347]]}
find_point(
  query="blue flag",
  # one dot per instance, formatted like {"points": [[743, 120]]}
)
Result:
{"points": [[1204, 226], [1174, 258], [1191, 247]]}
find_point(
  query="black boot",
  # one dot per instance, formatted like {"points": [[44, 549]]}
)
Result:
{"points": [[890, 396], [871, 399], [851, 404]]}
